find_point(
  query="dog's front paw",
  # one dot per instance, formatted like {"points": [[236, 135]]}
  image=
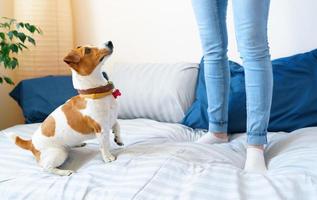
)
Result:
{"points": [[60, 172], [68, 172], [108, 158]]}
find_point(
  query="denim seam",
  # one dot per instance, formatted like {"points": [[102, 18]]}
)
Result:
{"points": [[256, 140], [217, 61], [256, 133], [265, 57], [218, 123], [221, 32]]}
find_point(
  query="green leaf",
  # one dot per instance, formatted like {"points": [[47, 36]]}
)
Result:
{"points": [[6, 25], [21, 49], [27, 25], [1, 59], [10, 34], [14, 63], [22, 45], [15, 33], [5, 49], [7, 62], [9, 19], [20, 25], [14, 48], [2, 35], [1, 80], [21, 36], [30, 27], [12, 21], [39, 31], [31, 40], [16, 60], [8, 80]]}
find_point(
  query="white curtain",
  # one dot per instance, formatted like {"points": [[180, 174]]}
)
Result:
{"points": [[54, 17]]}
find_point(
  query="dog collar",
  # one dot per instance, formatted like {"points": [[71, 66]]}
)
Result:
{"points": [[100, 92], [96, 96]]}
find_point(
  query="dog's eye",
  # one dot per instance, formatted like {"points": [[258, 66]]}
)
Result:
{"points": [[105, 75], [78, 47], [87, 50]]}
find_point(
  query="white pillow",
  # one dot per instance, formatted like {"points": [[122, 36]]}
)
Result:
{"points": [[157, 91]]}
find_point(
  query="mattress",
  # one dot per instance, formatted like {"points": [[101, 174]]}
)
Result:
{"points": [[162, 161]]}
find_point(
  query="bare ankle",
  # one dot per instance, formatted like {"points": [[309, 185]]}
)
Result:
{"points": [[221, 135]]}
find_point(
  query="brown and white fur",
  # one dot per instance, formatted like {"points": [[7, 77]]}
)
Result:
{"points": [[80, 118]]}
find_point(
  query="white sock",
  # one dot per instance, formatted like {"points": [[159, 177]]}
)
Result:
{"points": [[255, 161], [210, 138]]}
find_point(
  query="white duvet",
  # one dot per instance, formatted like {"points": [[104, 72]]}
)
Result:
{"points": [[162, 161]]}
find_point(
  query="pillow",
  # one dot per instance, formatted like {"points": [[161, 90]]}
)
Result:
{"points": [[161, 92], [294, 103], [39, 97]]}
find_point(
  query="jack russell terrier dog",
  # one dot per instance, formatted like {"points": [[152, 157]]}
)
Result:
{"points": [[93, 113]]}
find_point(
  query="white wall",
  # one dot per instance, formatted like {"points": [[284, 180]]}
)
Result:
{"points": [[142, 30], [292, 26], [165, 30]]}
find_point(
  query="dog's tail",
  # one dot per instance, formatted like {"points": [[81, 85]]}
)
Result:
{"points": [[24, 144]]}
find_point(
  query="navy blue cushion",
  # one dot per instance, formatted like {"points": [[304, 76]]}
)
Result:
{"points": [[39, 97], [294, 103]]}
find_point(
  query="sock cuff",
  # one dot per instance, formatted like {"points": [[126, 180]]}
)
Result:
{"points": [[252, 151]]}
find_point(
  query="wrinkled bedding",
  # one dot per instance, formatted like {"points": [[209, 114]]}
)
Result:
{"points": [[162, 161]]}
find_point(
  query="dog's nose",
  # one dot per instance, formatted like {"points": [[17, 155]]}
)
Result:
{"points": [[109, 45]]}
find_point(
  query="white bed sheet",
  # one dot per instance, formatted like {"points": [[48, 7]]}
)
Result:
{"points": [[161, 161]]}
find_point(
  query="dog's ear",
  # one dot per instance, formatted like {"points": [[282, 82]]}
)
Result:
{"points": [[72, 58]]}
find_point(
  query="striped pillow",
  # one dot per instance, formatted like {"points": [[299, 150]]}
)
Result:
{"points": [[161, 92]]}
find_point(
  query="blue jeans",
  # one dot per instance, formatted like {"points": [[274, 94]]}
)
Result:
{"points": [[250, 18]]}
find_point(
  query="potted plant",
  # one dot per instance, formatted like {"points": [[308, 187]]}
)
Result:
{"points": [[14, 38]]}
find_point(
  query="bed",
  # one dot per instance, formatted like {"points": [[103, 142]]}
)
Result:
{"points": [[163, 111], [162, 161]]}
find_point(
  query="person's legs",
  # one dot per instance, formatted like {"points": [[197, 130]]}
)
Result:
{"points": [[211, 20], [251, 31]]}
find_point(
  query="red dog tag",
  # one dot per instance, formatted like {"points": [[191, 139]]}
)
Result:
{"points": [[116, 93]]}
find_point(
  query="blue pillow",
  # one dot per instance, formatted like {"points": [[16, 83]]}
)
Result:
{"points": [[39, 97], [294, 103]]}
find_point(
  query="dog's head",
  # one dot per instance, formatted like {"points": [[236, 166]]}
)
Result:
{"points": [[85, 59], [86, 63]]}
